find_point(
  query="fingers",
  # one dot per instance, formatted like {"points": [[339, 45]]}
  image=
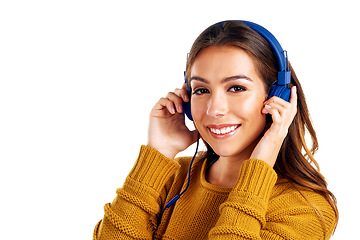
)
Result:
{"points": [[281, 110], [183, 93], [176, 100], [178, 96], [275, 106], [173, 101], [293, 96]]}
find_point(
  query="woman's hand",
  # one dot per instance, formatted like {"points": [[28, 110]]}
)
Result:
{"points": [[167, 130], [282, 114]]}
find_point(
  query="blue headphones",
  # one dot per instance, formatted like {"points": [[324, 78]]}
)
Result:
{"points": [[280, 87]]}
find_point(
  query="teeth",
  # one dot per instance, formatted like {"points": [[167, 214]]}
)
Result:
{"points": [[223, 130]]}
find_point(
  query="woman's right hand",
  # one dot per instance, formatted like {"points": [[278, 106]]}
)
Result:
{"points": [[167, 130]]}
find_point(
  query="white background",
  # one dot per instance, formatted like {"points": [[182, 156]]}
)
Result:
{"points": [[78, 80]]}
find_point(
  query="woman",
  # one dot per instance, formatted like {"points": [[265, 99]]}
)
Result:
{"points": [[253, 182]]}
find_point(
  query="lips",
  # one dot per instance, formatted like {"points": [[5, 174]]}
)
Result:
{"points": [[224, 130]]}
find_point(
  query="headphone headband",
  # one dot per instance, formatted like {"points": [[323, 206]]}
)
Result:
{"points": [[275, 45], [284, 75]]}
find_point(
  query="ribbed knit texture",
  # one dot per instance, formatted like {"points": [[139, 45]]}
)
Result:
{"points": [[259, 207]]}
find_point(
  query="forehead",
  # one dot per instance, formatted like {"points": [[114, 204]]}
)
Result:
{"points": [[222, 62]]}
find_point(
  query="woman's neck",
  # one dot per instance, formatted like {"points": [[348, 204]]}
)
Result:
{"points": [[225, 171]]}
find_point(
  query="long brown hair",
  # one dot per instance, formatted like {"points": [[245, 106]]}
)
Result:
{"points": [[295, 160]]}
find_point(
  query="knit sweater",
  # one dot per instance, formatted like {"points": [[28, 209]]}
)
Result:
{"points": [[259, 206]]}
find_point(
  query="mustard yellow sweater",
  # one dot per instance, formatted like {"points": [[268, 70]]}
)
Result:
{"points": [[259, 207]]}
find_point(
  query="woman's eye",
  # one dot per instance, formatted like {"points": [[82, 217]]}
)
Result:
{"points": [[237, 89], [200, 91]]}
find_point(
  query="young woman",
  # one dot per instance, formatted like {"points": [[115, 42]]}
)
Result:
{"points": [[257, 179]]}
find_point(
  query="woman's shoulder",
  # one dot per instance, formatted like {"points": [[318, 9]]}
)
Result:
{"points": [[285, 188], [295, 194], [302, 203]]}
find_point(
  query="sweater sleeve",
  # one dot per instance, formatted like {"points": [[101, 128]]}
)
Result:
{"points": [[246, 213], [132, 214]]}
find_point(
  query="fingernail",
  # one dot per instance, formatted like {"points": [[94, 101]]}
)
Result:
{"points": [[179, 108], [172, 110]]}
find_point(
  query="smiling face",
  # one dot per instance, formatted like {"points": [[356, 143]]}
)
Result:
{"points": [[227, 99]]}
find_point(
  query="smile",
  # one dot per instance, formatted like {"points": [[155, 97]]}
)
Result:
{"points": [[220, 131]]}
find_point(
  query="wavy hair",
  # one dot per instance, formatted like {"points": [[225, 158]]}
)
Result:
{"points": [[295, 160]]}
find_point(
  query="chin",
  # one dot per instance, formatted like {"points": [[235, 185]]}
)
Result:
{"points": [[226, 151], [239, 150]]}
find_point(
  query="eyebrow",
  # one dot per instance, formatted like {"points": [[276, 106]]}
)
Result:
{"points": [[232, 78]]}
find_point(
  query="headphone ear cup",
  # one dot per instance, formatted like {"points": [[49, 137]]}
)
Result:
{"points": [[281, 91], [187, 110], [187, 105]]}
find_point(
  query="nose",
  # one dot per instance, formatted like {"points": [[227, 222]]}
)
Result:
{"points": [[217, 105]]}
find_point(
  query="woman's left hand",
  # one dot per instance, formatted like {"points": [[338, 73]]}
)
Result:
{"points": [[282, 114]]}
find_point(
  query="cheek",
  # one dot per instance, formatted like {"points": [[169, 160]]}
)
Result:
{"points": [[249, 110], [198, 111], [255, 120], [248, 104], [201, 119]]}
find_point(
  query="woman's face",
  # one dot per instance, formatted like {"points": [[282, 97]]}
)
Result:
{"points": [[227, 99]]}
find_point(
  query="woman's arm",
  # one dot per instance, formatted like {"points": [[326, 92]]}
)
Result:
{"points": [[132, 214]]}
